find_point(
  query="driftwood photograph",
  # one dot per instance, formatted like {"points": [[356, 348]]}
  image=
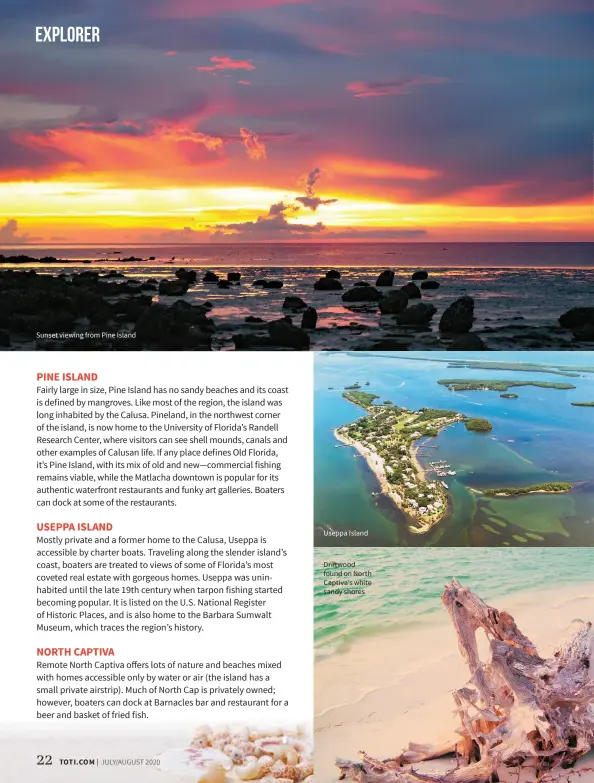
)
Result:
{"points": [[522, 711]]}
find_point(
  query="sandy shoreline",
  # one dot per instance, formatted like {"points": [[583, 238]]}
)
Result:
{"points": [[376, 464], [388, 690]]}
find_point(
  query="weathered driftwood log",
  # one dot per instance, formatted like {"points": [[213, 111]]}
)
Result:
{"points": [[516, 708]]}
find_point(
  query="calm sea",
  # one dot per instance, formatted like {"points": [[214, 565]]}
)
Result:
{"points": [[486, 255], [407, 584]]}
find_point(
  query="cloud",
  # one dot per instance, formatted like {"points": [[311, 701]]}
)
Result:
{"points": [[310, 200], [378, 234], [394, 87], [227, 64], [172, 133], [255, 148], [273, 225], [313, 202], [9, 234], [177, 236]]}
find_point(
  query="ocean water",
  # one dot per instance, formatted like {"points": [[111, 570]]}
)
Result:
{"points": [[537, 438], [519, 289], [407, 585]]}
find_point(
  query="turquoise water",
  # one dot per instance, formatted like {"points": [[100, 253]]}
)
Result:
{"points": [[537, 438], [407, 585]]}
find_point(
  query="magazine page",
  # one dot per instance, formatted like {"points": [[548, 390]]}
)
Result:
{"points": [[157, 569], [297, 454]]}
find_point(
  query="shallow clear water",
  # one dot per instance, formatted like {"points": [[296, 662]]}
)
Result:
{"points": [[407, 584], [537, 438]]}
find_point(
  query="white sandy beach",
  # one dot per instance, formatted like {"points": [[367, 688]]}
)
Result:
{"points": [[385, 691]]}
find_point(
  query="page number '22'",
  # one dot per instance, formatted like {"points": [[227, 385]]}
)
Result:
{"points": [[44, 761]]}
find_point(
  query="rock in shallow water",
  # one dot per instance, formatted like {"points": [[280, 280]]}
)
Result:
{"points": [[361, 294], [175, 328], [327, 284], [429, 285], [421, 274], [585, 332], [458, 317], [210, 277], [294, 303], [577, 316], [393, 303], [385, 278], [186, 274], [265, 283], [233, 277], [173, 287], [416, 315], [286, 335], [333, 274], [467, 342], [309, 319], [412, 291]]}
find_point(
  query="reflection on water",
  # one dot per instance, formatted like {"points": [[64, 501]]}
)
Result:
{"points": [[510, 302]]}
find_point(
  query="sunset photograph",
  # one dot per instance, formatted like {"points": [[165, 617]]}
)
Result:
{"points": [[314, 174]]}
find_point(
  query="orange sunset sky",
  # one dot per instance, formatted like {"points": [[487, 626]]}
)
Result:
{"points": [[267, 120]]}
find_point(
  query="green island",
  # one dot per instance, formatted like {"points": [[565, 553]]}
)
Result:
{"points": [[583, 404], [569, 372], [386, 438], [502, 386], [554, 486], [362, 399], [353, 386], [478, 425], [509, 396]]}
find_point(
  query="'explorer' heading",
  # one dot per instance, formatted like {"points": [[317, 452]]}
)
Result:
{"points": [[67, 35]]}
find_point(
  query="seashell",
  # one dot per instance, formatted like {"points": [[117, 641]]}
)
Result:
{"points": [[210, 773], [267, 740], [282, 770], [199, 741], [305, 770], [204, 765], [265, 763], [248, 748], [213, 755], [291, 756], [303, 747], [249, 771], [221, 733], [234, 753]]}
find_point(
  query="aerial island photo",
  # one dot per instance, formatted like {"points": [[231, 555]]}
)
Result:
{"points": [[415, 450], [450, 666], [265, 175]]}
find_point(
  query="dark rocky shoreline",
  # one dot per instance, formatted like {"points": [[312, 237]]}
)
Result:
{"points": [[105, 310]]}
